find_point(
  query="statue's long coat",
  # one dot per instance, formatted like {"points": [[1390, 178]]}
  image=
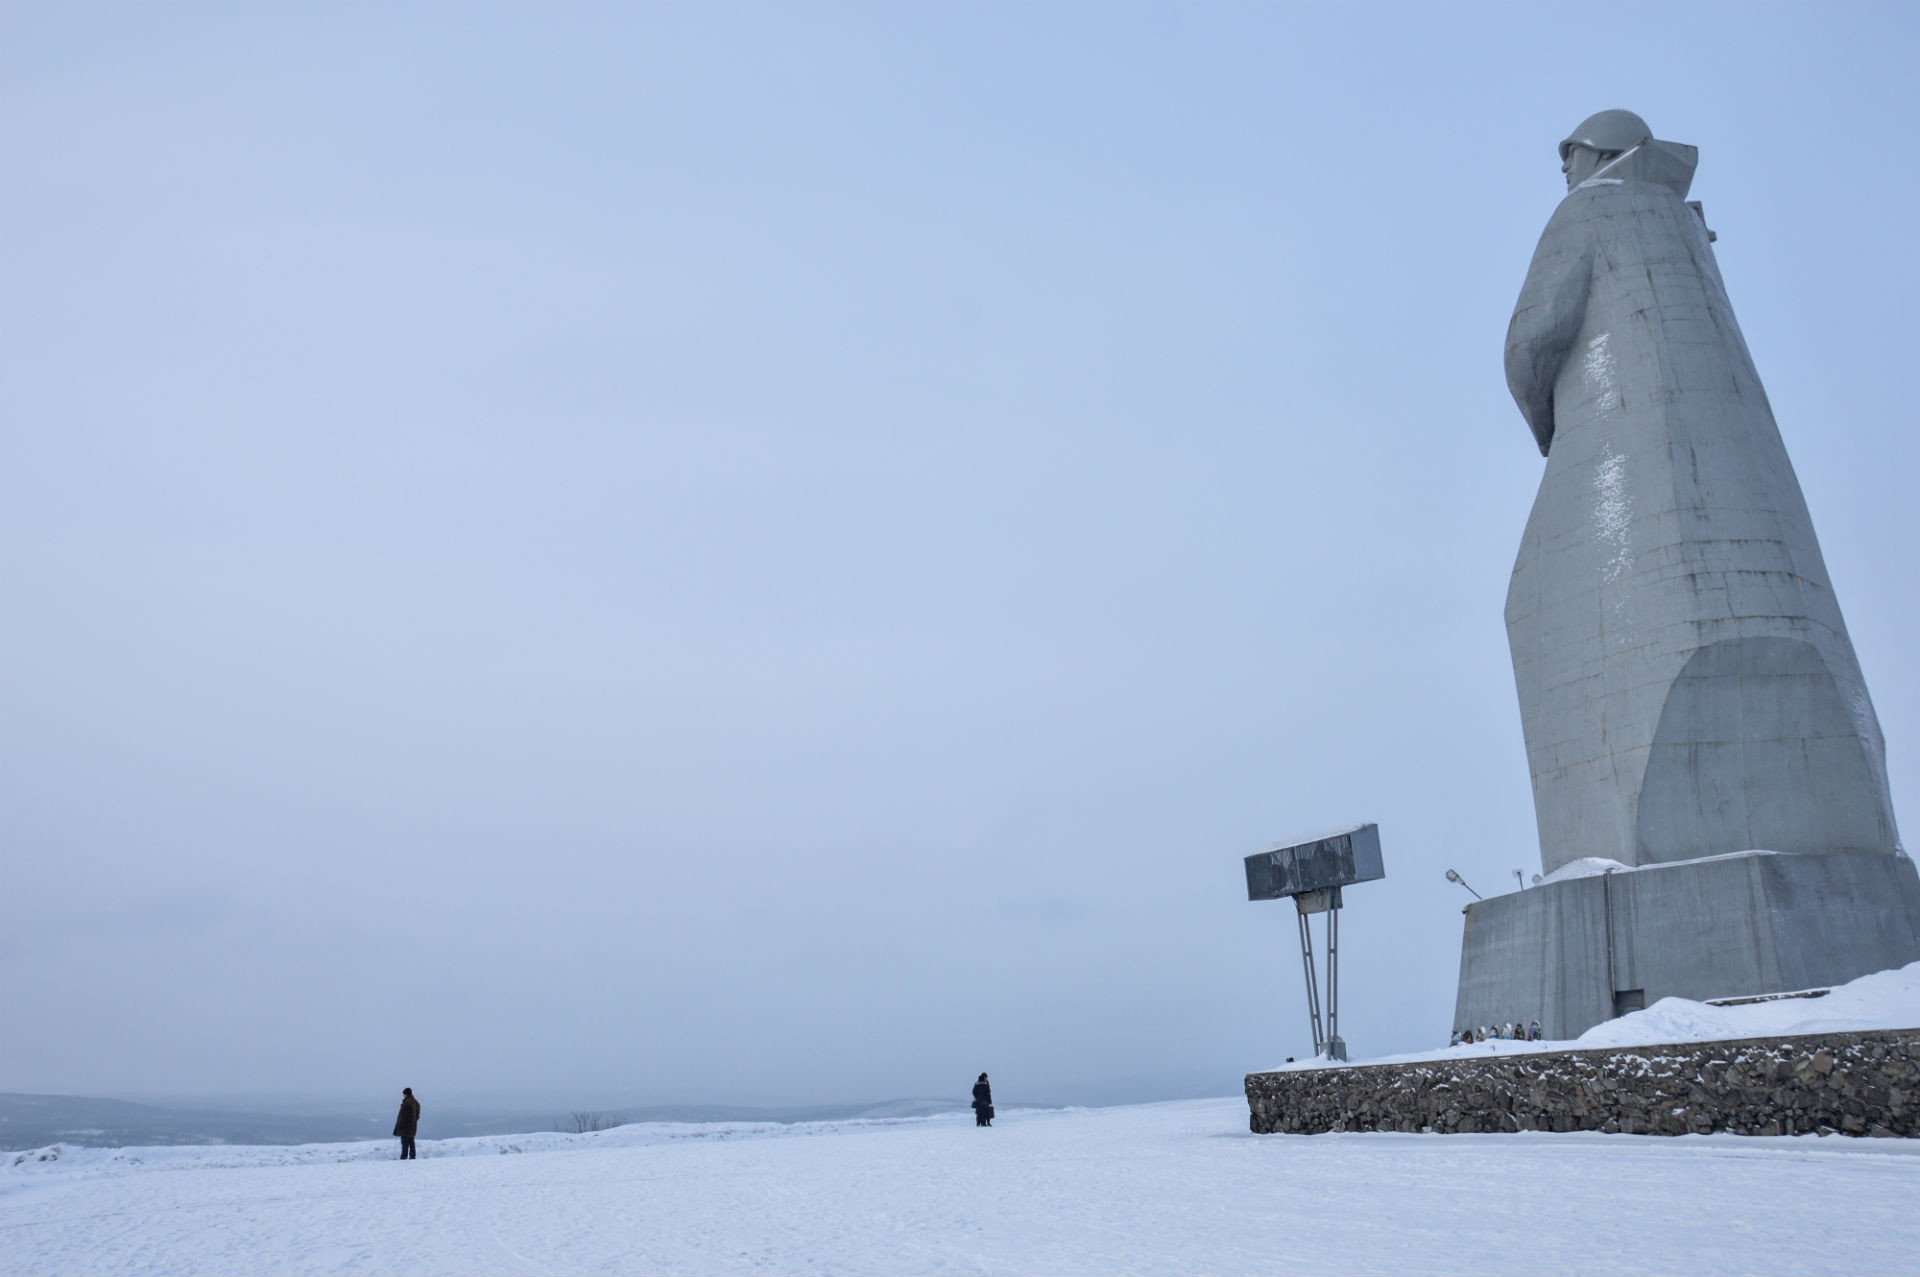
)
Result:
{"points": [[1687, 686]]}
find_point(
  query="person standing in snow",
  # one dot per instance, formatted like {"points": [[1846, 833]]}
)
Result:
{"points": [[982, 1102], [407, 1125]]}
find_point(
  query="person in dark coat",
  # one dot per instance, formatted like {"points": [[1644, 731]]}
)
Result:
{"points": [[407, 1125], [982, 1102]]}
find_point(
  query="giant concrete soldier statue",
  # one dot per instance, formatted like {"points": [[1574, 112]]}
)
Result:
{"points": [[1709, 778], [1687, 686]]}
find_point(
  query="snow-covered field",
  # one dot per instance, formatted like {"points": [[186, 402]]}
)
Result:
{"points": [[1162, 1188]]}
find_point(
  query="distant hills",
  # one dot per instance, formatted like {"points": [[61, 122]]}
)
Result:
{"points": [[33, 1121]]}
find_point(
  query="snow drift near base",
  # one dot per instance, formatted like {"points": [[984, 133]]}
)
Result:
{"points": [[1883, 1000]]}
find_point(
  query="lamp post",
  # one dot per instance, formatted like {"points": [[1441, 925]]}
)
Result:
{"points": [[1454, 877]]}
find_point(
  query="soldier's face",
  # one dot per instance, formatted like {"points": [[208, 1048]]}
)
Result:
{"points": [[1577, 165], [1580, 163]]}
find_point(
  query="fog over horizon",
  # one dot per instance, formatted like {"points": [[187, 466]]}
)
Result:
{"points": [[782, 555]]}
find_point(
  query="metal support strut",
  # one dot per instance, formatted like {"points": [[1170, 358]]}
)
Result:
{"points": [[1325, 1042], [1313, 979], [1335, 1048]]}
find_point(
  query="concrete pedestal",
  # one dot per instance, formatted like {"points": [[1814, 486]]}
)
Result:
{"points": [[1576, 952]]}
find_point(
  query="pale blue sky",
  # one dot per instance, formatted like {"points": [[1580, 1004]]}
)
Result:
{"points": [[785, 553]]}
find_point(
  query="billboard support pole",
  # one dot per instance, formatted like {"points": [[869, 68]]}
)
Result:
{"points": [[1313, 979], [1335, 1048]]}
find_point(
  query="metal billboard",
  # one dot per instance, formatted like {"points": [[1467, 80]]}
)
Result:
{"points": [[1337, 859]]}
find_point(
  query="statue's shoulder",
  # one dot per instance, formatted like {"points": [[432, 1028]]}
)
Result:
{"points": [[1612, 197], [1614, 192]]}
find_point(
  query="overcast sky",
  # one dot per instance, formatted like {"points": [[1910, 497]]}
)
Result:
{"points": [[786, 553]]}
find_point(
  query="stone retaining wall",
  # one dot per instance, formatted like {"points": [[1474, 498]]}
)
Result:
{"points": [[1855, 1083]]}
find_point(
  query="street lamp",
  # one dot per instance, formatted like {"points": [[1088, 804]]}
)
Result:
{"points": [[1454, 877]]}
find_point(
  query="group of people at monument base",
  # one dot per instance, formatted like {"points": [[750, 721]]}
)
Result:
{"points": [[1512, 1031]]}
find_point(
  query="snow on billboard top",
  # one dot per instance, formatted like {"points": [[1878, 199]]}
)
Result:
{"points": [[1337, 859]]}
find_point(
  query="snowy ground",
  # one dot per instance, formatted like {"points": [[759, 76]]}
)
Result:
{"points": [[1150, 1189]]}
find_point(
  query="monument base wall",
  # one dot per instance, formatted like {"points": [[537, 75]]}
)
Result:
{"points": [[1574, 953], [1848, 1083]]}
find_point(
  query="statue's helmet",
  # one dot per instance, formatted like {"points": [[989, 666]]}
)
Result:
{"points": [[1608, 131]]}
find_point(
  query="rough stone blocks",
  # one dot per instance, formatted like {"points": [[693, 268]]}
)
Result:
{"points": [[1846, 1083]]}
